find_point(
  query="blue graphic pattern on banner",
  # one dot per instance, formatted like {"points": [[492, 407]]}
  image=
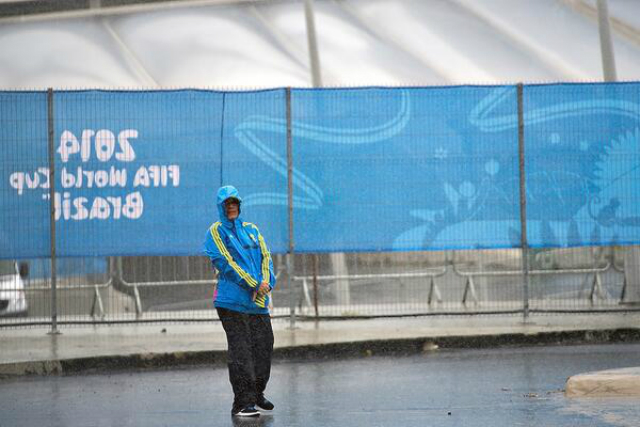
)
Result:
{"points": [[400, 170], [583, 164], [374, 168]]}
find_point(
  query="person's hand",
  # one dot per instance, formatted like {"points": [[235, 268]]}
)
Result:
{"points": [[262, 290]]}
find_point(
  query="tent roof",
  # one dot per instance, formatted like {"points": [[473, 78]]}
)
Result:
{"points": [[361, 42]]}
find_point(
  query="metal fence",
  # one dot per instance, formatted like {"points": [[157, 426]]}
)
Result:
{"points": [[467, 200], [150, 289]]}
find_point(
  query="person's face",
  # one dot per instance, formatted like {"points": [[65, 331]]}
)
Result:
{"points": [[232, 209]]}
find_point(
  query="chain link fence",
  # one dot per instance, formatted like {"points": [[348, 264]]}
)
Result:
{"points": [[388, 201]]}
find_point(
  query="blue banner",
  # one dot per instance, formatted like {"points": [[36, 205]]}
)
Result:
{"points": [[374, 169], [24, 206], [583, 164], [401, 169]]}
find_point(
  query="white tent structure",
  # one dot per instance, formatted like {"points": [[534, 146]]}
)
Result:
{"points": [[251, 44]]}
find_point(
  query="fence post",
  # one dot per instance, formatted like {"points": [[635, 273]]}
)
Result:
{"points": [[523, 206], [52, 215], [606, 44], [290, 254], [316, 268], [314, 57]]}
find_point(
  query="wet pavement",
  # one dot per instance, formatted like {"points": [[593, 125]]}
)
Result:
{"points": [[35, 351], [457, 387]]}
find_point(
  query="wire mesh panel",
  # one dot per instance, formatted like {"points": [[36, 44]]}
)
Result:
{"points": [[582, 154], [401, 170], [24, 171], [410, 283], [251, 144]]}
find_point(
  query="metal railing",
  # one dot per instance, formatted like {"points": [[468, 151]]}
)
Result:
{"points": [[433, 289], [597, 290], [455, 287], [469, 299]]}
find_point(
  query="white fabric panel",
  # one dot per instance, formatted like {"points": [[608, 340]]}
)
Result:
{"points": [[208, 47], [63, 54], [361, 42]]}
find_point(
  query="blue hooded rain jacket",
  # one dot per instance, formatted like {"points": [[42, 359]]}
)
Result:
{"points": [[239, 253]]}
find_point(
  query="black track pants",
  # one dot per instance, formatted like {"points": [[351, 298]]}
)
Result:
{"points": [[250, 346]]}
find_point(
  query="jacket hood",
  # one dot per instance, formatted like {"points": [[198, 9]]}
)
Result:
{"points": [[224, 193]]}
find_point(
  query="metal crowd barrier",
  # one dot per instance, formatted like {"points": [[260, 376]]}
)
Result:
{"points": [[97, 305], [470, 295], [434, 292], [309, 285], [596, 287], [136, 293]]}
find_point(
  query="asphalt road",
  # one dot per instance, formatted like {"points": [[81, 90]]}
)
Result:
{"points": [[494, 388]]}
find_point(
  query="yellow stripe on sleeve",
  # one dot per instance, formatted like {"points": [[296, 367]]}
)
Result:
{"points": [[266, 260], [225, 252], [261, 300], [266, 255]]}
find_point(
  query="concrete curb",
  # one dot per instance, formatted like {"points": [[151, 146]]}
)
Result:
{"points": [[610, 383], [46, 367], [365, 348]]}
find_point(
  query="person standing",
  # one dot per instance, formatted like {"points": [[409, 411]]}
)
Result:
{"points": [[245, 280]]}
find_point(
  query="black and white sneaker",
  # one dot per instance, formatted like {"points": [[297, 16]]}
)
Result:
{"points": [[264, 404], [249, 411]]}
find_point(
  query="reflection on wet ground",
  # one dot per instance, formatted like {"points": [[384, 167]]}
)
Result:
{"points": [[496, 387]]}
